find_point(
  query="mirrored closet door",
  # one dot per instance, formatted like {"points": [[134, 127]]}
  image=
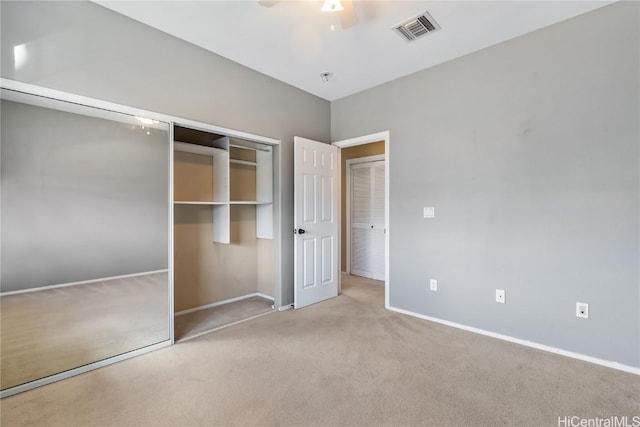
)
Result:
{"points": [[84, 236]]}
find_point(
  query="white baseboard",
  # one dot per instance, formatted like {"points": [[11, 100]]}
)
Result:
{"points": [[265, 296], [222, 327], [285, 307], [84, 282], [223, 302], [614, 365]]}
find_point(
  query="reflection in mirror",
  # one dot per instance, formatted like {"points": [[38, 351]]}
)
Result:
{"points": [[84, 214]]}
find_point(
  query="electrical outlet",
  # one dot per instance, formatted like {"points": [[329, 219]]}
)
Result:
{"points": [[500, 296], [433, 284], [582, 310]]}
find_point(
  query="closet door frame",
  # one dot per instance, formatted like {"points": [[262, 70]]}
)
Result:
{"points": [[275, 199], [348, 164]]}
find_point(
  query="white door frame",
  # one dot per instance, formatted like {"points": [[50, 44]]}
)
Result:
{"points": [[361, 140], [349, 163]]}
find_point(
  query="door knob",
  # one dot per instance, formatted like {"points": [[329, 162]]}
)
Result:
{"points": [[301, 231]]}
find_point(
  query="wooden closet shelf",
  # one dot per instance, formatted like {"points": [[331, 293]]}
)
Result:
{"points": [[248, 202]]}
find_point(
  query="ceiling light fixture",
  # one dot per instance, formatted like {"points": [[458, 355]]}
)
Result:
{"points": [[332, 6]]}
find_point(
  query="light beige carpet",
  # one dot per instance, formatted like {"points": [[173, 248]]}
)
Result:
{"points": [[346, 361], [50, 331], [198, 322]]}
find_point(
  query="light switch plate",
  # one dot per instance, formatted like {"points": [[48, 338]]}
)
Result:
{"points": [[433, 284], [429, 212]]}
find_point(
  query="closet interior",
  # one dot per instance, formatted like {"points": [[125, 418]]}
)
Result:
{"points": [[223, 231]]}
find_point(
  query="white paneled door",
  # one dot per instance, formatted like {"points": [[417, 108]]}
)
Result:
{"points": [[367, 219], [316, 222]]}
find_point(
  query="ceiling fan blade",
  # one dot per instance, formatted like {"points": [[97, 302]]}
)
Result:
{"points": [[268, 3], [348, 17]]}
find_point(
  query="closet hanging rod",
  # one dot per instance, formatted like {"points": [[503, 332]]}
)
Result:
{"points": [[242, 162], [250, 148]]}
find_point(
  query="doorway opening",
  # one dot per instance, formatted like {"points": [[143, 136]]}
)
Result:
{"points": [[362, 225], [223, 230], [364, 185]]}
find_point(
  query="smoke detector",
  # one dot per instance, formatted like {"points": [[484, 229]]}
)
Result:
{"points": [[417, 27], [326, 76]]}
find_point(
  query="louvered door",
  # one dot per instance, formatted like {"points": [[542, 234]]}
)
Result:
{"points": [[367, 219]]}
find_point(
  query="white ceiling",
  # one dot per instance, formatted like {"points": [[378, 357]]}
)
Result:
{"points": [[292, 41]]}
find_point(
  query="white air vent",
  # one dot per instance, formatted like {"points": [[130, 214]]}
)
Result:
{"points": [[417, 27]]}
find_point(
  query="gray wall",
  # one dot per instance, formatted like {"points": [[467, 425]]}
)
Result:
{"points": [[83, 48], [529, 152], [82, 198]]}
